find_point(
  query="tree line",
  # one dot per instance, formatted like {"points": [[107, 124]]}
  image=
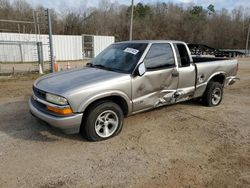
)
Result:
{"points": [[193, 24]]}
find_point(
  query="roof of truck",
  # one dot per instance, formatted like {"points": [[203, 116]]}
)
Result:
{"points": [[151, 41]]}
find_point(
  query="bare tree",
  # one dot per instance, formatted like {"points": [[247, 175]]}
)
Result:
{"points": [[194, 24]]}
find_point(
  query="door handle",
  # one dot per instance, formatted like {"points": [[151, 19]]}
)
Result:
{"points": [[175, 74]]}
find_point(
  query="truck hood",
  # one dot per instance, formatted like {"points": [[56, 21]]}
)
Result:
{"points": [[66, 81]]}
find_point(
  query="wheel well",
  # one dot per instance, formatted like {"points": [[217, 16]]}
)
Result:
{"points": [[218, 78], [116, 99]]}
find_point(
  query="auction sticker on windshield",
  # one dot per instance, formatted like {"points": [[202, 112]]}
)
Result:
{"points": [[131, 50]]}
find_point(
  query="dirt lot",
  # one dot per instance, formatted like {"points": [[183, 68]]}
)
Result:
{"points": [[184, 145]]}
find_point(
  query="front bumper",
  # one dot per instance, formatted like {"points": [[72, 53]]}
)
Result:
{"points": [[68, 124]]}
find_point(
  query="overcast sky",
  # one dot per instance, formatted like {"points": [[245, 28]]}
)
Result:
{"points": [[62, 4]]}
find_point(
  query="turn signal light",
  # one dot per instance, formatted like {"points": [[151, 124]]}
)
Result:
{"points": [[63, 111]]}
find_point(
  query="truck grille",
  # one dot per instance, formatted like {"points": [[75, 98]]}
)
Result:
{"points": [[39, 106], [39, 93]]}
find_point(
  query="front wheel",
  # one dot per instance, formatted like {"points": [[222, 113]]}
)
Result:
{"points": [[213, 94], [103, 120]]}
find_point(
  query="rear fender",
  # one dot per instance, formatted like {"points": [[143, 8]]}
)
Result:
{"points": [[216, 74], [201, 88]]}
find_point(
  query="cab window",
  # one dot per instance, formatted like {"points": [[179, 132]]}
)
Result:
{"points": [[159, 56], [182, 55]]}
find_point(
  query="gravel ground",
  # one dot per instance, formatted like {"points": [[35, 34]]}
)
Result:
{"points": [[183, 145]]}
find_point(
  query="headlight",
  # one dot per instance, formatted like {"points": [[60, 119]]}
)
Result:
{"points": [[56, 99]]}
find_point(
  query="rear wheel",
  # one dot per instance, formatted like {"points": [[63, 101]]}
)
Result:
{"points": [[213, 94], [103, 120]]}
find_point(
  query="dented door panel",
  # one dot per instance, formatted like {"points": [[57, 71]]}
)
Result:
{"points": [[154, 88]]}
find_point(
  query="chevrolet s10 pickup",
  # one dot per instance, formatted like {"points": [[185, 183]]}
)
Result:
{"points": [[127, 78]]}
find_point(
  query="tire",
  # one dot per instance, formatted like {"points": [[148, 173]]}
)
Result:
{"points": [[103, 120], [213, 94]]}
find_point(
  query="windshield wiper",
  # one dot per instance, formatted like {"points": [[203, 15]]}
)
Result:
{"points": [[96, 66], [102, 67], [89, 65]]}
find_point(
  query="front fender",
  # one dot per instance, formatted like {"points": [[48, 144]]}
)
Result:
{"points": [[90, 99]]}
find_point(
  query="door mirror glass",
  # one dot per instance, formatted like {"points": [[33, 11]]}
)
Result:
{"points": [[141, 69]]}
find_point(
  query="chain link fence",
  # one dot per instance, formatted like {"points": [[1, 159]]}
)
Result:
{"points": [[20, 56]]}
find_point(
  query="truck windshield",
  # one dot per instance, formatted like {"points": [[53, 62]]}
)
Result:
{"points": [[120, 57]]}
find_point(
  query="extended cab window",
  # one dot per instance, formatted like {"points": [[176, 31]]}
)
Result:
{"points": [[182, 55], [159, 56]]}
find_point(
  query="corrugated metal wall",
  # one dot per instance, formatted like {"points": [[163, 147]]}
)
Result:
{"points": [[66, 47], [101, 42], [14, 52], [17, 52]]}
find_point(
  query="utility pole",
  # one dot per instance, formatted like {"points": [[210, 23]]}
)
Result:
{"points": [[50, 41], [131, 20], [35, 24], [247, 42]]}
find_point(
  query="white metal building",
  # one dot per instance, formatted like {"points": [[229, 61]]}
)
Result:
{"points": [[15, 47]]}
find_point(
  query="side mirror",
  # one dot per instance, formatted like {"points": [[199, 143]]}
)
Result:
{"points": [[141, 69]]}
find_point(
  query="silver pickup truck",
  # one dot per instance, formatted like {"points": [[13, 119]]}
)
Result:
{"points": [[127, 78]]}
